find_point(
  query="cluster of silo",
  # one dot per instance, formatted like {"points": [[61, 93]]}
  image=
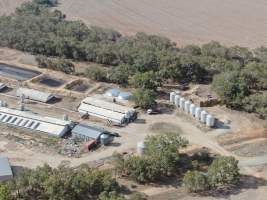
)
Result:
{"points": [[190, 108]]}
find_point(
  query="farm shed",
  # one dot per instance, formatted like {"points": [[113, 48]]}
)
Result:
{"points": [[87, 133], [34, 95], [34, 122], [2, 86], [107, 110], [5, 169]]}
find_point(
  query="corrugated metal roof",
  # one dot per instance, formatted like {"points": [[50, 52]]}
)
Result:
{"points": [[34, 94], [5, 169], [94, 101], [33, 121], [101, 113], [88, 131]]}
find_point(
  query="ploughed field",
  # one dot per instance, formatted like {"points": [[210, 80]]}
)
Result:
{"points": [[232, 22]]}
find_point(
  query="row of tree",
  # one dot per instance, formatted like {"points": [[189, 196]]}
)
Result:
{"points": [[61, 183], [141, 61]]}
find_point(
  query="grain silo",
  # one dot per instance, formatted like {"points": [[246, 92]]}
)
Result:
{"points": [[172, 97], [176, 100], [181, 103], [192, 109], [203, 116], [210, 121], [187, 106], [198, 112]]}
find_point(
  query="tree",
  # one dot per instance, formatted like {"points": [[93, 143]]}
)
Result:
{"points": [[143, 98], [223, 171], [159, 160], [195, 181], [231, 87], [96, 72], [147, 80], [214, 49]]}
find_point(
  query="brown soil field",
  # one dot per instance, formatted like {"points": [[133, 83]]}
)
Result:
{"points": [[8, 6], [238, 22]]}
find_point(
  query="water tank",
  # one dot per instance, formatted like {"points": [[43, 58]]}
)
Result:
{"points": [[203, 116], [176, 100], [1, 103], [210, 121], [105, 139], [192, 109], [114, 92], [178, 92], [197, 112], [140, 148], [172, 97], [181, 103], [124, 96], [22, 107], [187, 106]]}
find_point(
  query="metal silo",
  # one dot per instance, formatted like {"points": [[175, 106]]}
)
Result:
{"points": [[176, 100], [187, 106], [172, 97], [192, 109], [203, 116], [210, 121], [198, 112], [181, 103]]}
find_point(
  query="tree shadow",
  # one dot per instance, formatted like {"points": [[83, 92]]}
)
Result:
{"points": [[246, 182], [139, 121]]}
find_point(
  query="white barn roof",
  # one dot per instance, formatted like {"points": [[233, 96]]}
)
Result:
{"points": [[34, 122], [94, 101], [101, 113], [34, 94]]}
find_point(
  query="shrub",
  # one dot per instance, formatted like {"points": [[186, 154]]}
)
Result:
{"points": [[143, 98], [195, 181], [223, 171]]}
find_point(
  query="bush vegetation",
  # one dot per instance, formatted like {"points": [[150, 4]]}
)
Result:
{"points": [[143, 61]]}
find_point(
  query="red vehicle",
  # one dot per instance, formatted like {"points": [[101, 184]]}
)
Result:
{"points": [[90, 145]]}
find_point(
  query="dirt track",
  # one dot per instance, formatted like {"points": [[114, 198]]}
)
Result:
{"points": [[238, 22]]}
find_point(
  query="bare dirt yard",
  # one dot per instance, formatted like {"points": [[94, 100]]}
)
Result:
{"points": [[239, 22]]}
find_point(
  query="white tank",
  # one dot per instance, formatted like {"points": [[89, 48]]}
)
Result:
{"points": [[203, 116], [198, 112], [176, 100], [192, 109], [210, 121], [172, 97], [187, 106], [140, 148], [178, 92], [181, 103]]}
